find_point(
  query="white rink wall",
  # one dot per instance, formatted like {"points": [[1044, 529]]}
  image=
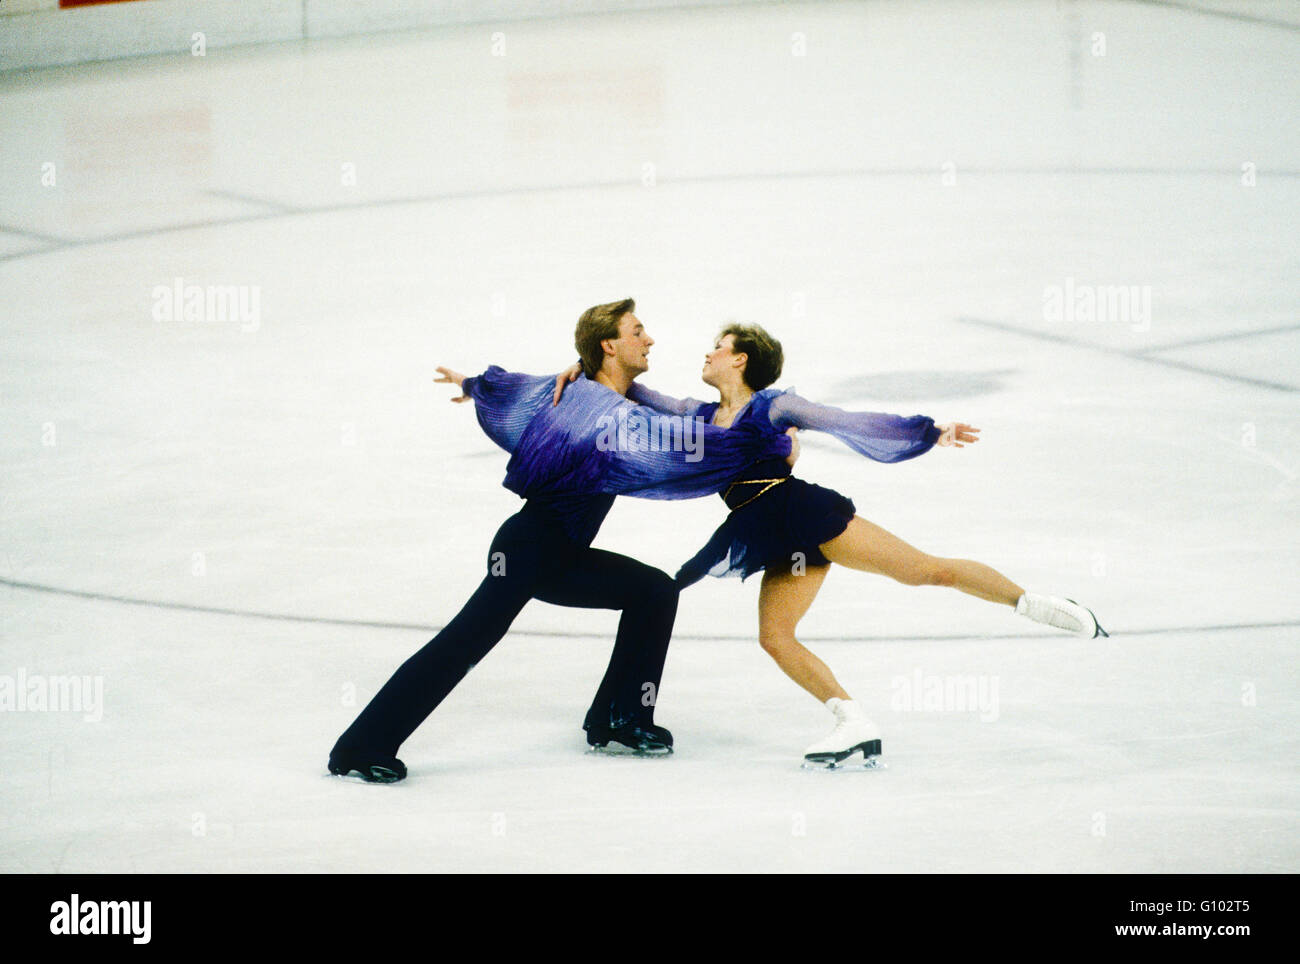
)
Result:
{"points": [[40, 34]]}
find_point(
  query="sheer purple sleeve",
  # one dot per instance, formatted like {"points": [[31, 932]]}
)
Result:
{"points": [[698, 460], [664, 404], [878, 436], [505, 402]]}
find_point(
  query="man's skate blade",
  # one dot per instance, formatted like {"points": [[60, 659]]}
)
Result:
{"points": [[847, 759], [373, 774], [618, 749]]}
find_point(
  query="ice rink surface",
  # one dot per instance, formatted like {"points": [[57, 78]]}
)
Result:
{"points": [[895, 190]]}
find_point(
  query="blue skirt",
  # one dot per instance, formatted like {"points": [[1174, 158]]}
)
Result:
{"points": [[793, 517]]}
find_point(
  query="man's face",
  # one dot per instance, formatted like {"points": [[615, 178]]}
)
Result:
{"points": [[632, 347]]}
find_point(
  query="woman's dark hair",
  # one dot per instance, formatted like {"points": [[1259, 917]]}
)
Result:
{"points": [[763, 366]]}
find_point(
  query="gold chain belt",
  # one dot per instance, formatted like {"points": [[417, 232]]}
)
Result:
{"points": [[771, 483]]}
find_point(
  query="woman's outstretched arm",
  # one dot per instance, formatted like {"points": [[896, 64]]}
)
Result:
{"points": [[637, 393], [666, 404], [877, 435]]}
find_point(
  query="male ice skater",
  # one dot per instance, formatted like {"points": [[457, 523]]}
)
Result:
{"points": [[568, 462]]}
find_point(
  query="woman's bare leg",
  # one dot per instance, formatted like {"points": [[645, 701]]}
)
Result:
{"points": [[782, 602], [868, 547]]}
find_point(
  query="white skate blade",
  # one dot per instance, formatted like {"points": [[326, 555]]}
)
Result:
{"points": [[847, 759], [871, 763]]}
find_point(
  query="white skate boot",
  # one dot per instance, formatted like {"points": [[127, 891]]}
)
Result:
{"points": [[1062, 613], [853, 733]]}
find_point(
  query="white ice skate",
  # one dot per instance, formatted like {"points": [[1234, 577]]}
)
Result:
{"points": [[1062, 613], [853, 733]]}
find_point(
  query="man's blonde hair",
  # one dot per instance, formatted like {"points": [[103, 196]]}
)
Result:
{"points": [[598, 323]]}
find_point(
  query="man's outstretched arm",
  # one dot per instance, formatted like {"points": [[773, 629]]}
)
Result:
{"points": [[504, 402]]}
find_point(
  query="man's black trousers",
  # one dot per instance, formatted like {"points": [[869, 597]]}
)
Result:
{"points": [[532, 558]]}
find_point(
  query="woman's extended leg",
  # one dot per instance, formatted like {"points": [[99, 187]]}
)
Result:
{"points": [[870, 548], [782, 602]]}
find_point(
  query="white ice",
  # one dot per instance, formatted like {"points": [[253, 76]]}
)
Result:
{"points": [[307, 466]]}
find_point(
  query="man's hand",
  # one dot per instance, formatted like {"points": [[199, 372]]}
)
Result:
{"points": [[450, 377], [793, 457], [570, 374], [955, 433]]}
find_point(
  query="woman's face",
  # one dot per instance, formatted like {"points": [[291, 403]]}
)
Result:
{"points": [[719, 362]]}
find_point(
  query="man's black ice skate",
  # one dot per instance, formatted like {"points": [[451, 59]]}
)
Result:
{"points": [[639, 738], [371, 767]]}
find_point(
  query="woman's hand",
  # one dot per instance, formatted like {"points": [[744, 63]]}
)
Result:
{"points": [[570, 374], [955, 433], [450, 377], [793, 457]]}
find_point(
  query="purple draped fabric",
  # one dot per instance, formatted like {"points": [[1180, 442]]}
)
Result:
{"points": [[878, 436], [597, 442]]}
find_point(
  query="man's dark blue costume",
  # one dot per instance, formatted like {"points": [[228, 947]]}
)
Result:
{"points": [[568, 462]]}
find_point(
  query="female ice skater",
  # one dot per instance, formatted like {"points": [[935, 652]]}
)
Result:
{"points": [[792, 531]]}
